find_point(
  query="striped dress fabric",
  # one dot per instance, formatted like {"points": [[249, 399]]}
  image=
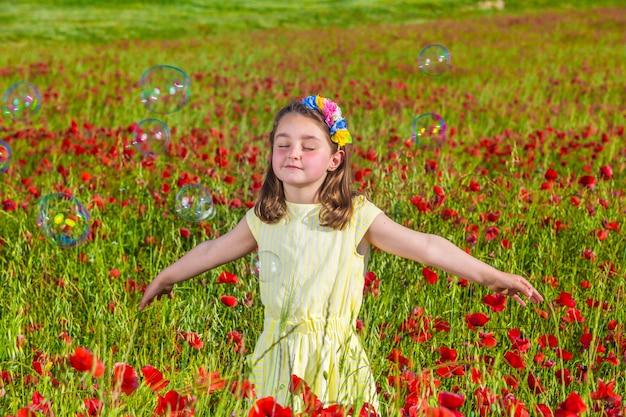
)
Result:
{"points": [[311, 284]]}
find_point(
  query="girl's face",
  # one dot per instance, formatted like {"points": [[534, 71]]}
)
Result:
{"points": [[302, 156]]}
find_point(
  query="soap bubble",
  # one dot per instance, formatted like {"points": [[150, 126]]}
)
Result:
{"points": [[63, 219], [265, 265], [151, 137], [164, 89], [429, 130], [194, 203], [434, 60], [5, 156], [21, 101]]}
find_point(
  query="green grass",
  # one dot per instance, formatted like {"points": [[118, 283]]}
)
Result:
{"points": [[526, 92], [103, 21]]}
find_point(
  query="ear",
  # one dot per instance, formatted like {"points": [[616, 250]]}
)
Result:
{"points": [[336, 159]]}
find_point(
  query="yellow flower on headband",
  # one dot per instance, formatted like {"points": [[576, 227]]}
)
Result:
{"points": [[341, 137], [319, 101]]}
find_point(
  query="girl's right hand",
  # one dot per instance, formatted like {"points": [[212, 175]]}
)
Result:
{"points": [[155, 289]]}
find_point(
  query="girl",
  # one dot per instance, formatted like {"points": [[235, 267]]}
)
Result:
{"points": [[314, 232]]}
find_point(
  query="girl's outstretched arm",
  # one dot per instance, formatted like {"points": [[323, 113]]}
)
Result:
{"points": [[436, 251], [207, 255]]}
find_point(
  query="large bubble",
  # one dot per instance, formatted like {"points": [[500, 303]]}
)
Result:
{"points": [[63, 219], [194, 203], [21, 101], [164, 89], [5, 156], [434, 60], [151, 137]]}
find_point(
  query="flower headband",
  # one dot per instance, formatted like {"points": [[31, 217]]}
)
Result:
{"points": [[332, 116]]}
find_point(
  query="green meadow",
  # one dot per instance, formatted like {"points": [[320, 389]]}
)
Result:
{"points": [[530, 178]]}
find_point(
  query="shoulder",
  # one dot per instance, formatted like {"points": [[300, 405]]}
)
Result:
{"points": [[363, 215], [362, 204]]}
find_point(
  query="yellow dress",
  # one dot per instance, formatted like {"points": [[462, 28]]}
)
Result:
{"points": [[311, 283]]}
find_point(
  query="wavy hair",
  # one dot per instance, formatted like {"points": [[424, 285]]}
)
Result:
{"points": [[334, 194]]}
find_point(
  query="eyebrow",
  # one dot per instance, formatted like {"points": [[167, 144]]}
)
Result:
{"points": [[304, 137]]}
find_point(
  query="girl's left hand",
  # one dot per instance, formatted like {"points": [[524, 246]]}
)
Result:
{"points": [[514, 286]]}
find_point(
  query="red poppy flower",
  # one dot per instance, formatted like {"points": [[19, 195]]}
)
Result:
{"points": [[605, 392], [299, 386], [94, 406], [496, 302], [606, 172], [209, 382], [563, 376], [544, 410], [227, 278], [84, 361], [515, 360], [243, 390], [571, 407], [228, 300], [396, 357], [125, 378], [184, 232], [153, 378], [587, 181], [565, 299], [534, 384], [491, 233], [174, 405], [573, 315], [433, 412], [564, 354], [610, 225], [548, 340], [474, 320], [487, 339], [450, 400], [430, 275], [267, 407], [550, 174], [193, 339]]}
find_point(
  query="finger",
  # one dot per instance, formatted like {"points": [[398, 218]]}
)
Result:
{"points": [[171, 295], [525, 288], [519, 300], [537, 298], [143, 303]]}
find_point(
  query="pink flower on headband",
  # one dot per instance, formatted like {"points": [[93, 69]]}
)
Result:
{"points": [[329, 112]]}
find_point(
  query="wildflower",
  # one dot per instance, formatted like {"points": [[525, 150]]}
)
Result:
{"points": [[126, 378], [153, 378], [84, 361]]}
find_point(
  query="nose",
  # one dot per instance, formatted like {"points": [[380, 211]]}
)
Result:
{"points": [[294, 153]]}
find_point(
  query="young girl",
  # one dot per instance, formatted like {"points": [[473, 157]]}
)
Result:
{"points": [[315, 233]]}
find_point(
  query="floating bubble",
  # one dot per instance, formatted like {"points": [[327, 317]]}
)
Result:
{"points": [[194, 203], [429, 130], [151, 137], [21, 101], [265, 265], [434, 60], [5, 156], [164, 89], [63, 219]]}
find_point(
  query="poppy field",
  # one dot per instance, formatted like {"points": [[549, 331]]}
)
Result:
{"points": [[530, 178]]}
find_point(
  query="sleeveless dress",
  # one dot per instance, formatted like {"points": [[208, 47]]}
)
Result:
{"points": [[311, 284]]}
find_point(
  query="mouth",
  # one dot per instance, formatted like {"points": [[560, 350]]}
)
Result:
{"points": [[292, 167]]}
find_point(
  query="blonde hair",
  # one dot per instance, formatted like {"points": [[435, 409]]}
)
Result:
{"points": [[334, 194]]}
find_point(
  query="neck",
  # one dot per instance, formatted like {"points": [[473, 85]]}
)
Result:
{"points": [[301, 196]]}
